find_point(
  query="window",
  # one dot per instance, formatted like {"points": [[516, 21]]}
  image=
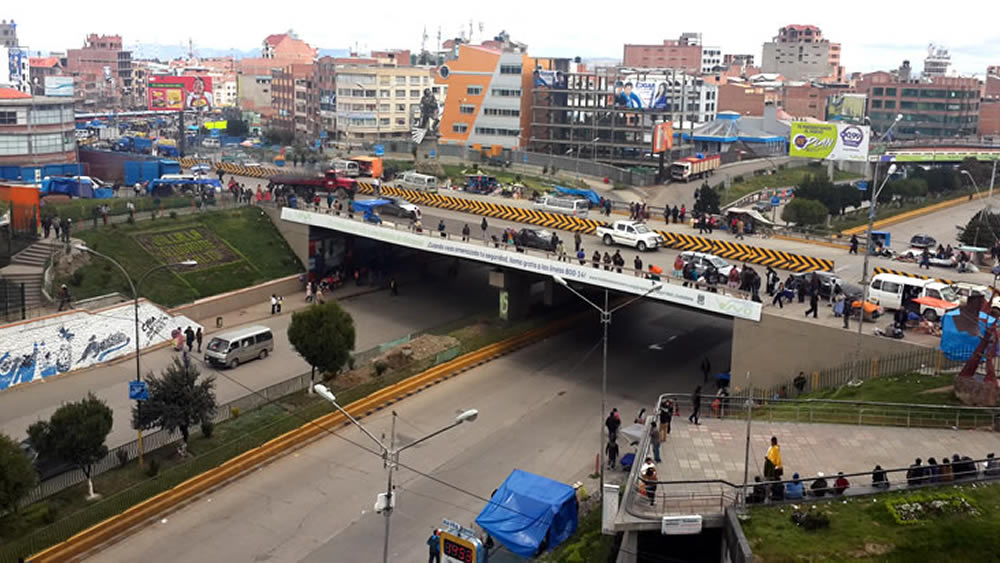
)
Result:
{"points": [[49, 142], [383, 93], [876, 104], [473, 90], [500, 112], [414, 93], [400, 121], [890, 287], [414, 81], [384, 107], [400, 80], [467, 109], [400, 93], [400, 107], [263, 337], [876, 91], [911, 93], [890, 91], [890, 104], [506, 93], [13, 145], [510, 69], [497, 131], [459, 127], [384, 121], [8, 118]]}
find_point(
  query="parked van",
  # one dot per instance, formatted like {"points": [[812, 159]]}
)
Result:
{"points": [[564, 205], [233, 347], [418, 182], [348, 167], [892, 291], [210, 142]]}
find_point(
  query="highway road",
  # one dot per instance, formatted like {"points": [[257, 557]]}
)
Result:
{"points": [[539, 411], [377, 319], [942, 225]]}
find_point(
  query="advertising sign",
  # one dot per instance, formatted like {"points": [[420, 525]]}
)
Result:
{"points": [[175, 93], [215, 125], [663, 137], [555, 79], [847, 108], [59, 86], [829, 141]]}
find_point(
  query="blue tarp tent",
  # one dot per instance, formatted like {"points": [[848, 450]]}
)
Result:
{"points": [[528, 510], [589, 195], [68, 186], [959, 345]]}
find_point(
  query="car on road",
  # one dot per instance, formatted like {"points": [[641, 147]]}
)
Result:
{"points": [[702, 261], [914, 254], [537, 238], [630, 233], [921, 240], [233, 347], [827, 281], [762, 206], [399, 207]]}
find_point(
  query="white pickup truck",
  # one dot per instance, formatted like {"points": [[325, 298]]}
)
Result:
{"points": [[630, 233]]}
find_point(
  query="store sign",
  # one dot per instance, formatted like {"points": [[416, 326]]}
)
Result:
{"points": [[625, 283], [829, 141]]}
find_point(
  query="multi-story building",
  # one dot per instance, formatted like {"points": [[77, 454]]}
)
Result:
{"points": [[730, 59], [36, 130], [325, 82], [485, 91], [379, 101], [808, 100], [292, 100], [288, 49], [609, 115], [711, 59], [937, 62], [747, 99], [943, 106], [42, 67], [15, 71], [800, 52], [684, 53], [8, 34], [104, 71]]}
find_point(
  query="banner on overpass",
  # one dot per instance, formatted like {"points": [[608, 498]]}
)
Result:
{"points": [[829, 141], [625, 283]]}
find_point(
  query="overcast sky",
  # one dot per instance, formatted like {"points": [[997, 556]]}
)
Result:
{"points": [[875, 35]]}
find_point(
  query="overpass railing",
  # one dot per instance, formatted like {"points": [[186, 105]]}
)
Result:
{"points": [[476, 237]]}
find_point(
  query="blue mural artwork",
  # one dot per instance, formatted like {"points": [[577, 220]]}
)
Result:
{"points": [[44, 348]]}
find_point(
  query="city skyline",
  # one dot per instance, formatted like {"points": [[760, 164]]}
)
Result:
{"points": [[874, 37]]}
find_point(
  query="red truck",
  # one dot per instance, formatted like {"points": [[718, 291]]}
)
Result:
{"points": [[307, 186]]}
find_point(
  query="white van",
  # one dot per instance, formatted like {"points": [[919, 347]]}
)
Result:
{"points": [[233, 347], [564, 205], [892, 291], [210, 143], [418, 182], [348, 167]]}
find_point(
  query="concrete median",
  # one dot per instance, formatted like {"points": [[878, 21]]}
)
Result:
{"points": [[122, 524]]}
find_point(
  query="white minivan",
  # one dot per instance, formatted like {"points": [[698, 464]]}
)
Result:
{"points": [[233, 347], [564, 205], [893, 291], [418, 182], [348, 167]]}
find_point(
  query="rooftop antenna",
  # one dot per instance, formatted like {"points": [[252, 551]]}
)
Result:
{"points": [[423, 41], [439, 39]]}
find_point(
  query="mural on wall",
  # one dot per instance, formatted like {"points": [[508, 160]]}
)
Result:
{"points": [[39, 349]]}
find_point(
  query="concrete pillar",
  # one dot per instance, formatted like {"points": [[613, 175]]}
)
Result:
{"points": [[513, 294], [555, 294], [629, 548]]}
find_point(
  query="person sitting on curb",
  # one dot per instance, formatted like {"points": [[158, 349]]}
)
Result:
{"points": [[794, 489]]}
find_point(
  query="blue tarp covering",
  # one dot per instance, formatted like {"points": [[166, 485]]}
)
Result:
{"points": [[956, 344], [526, 510], [589, 195], [68, 186]]}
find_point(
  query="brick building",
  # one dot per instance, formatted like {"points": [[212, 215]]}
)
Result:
{"points": [[104, 73], [808, 100], [800, 52], [293, 100], [684, 53], [944, 106], [746, 99]]}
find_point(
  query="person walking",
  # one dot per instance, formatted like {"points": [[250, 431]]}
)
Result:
{"points": [[274, 304], [613, 423], [813, 303], [779, 295], [925, 259], [581, 255], [465, 233], [618, 261], [189, 338], [596, 259], [772, 461], [66, 228], [577, 240], [309, 292], [393, 288], [441, 229], [674, 213], [279, 304], [611, 452], [649, 483], [695, 405], [854, 245], [483, 226], [57, 225], [637, 266], [199, 336], [654, 440], [434, 547], [666, 413], [561, 251], [64, 298]]}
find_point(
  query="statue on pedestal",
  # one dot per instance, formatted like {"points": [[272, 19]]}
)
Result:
{"points": [[430, 117]]}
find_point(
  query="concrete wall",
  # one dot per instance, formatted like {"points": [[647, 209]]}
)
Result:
{"points": [[296, 234], [207, 309], [777, 348]]}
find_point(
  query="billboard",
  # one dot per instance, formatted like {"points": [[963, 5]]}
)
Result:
{"points": [[829, 141], [663, 137], [59, 86], [174, 93], [555, 79], [847, 108]]}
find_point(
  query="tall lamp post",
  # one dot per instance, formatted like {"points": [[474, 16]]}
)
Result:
{"points": [[605, 322], [390, 454], [135, 301]]}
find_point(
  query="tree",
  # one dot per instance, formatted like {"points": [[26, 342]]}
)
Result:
{"points": [[237, 128], [708, 200], [75, 434], [323, 335], [982, 230], [177, 399], [804, 212], [17, 474]]}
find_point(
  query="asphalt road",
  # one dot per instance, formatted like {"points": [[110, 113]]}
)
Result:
{"points": [[377, 319], [942, 225], [539, 411]]}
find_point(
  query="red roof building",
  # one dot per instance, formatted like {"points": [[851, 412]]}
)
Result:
{"points": [[12, 94]]}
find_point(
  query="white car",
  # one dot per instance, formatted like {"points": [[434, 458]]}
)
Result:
{"points": [[702, 261], [965, 289], [630, 233]]}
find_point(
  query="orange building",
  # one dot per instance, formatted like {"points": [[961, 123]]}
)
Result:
{"points": [[483, 109]]}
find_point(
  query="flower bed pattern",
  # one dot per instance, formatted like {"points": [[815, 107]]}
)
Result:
{"points": [[188, 243], [917, 509]]}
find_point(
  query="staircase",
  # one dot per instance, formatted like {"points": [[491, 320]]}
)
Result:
{"points": [[28, 267]]}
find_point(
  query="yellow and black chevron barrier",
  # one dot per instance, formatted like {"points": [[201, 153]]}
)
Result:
{"points": [[880, 270], [732, 250]]}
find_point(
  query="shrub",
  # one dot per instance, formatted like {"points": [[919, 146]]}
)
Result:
{"points": [[76, 278], [737, 179], [803, 211], [811, 519], [153, 467], [234, 412], [122, 456], [380, 368], [173, 214], [207, 429]]}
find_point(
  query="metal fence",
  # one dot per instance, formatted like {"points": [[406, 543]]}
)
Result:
{"points": [[12, 301]]}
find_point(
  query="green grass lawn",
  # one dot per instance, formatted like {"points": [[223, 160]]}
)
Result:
{"points": [[785, 177], [81, 210], [586, 545], [894, 389], [254, 252], [863, 530]]}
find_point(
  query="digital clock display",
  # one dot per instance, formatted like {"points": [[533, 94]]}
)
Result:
{"points": [[454, 551]]}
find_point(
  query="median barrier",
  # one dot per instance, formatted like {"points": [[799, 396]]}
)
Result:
{"points": [[881, 223], [121, 524]]}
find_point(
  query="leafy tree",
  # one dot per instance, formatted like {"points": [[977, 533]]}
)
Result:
{"points": [[177, 399], [708, 200], [323, 335], [804, 212], [17, 474], [979, 170], [939, 180], [982, 230], [75, 434]]}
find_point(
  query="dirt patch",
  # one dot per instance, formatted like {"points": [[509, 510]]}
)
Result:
{"points": [[871, 549], [472, 331], [398, 357]]}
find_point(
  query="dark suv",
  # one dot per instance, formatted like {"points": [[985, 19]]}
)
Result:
{"points": [[537, 238]]}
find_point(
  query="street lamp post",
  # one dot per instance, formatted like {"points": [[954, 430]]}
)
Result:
{"points": [[605, 322], [746, 453], [390, 454], [134, 287]]}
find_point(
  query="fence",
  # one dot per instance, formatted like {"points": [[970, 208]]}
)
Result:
{"points": [[12, 303]]}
